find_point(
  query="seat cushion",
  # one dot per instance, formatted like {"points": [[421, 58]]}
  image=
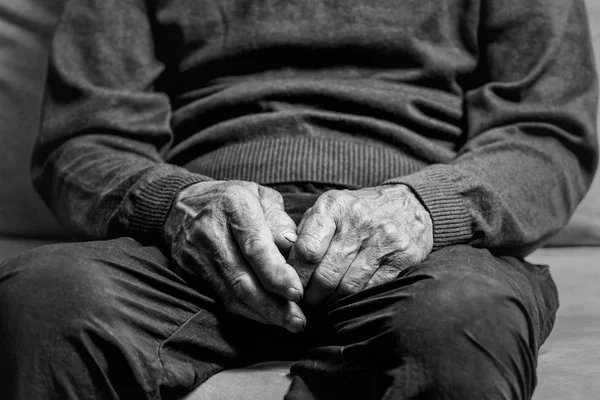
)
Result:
{"points": [[569, 363]]}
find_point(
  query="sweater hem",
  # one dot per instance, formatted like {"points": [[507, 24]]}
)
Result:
{"points": [[306, 159]]}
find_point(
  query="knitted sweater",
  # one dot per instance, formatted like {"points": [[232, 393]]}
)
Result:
{"points": [[485, 108]]}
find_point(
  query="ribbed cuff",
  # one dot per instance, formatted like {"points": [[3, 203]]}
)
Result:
{"points": [[452, 223], [151, 200]]}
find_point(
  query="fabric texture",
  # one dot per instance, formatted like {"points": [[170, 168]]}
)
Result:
{"points": [[25, 29], [568, 363], [506, 142], [131, 327]]}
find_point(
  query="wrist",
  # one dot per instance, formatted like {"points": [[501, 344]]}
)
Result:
{"points": [[180, 209], [398, 192]]}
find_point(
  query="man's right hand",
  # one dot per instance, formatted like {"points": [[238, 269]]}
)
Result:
{"points": [[235, 237]]}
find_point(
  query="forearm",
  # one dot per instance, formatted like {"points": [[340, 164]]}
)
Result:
{"points": [[530, 147], [507, 197], [102, 186], [98, 159]]}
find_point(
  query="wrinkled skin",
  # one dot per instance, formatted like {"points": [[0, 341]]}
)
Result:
{"points": [[235, 236], [230, 235], [351, 240]]}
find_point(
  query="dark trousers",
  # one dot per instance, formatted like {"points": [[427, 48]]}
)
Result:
{"points": [[109, 319]]}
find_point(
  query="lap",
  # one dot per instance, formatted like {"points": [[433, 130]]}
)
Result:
{"points": [[58, 299], [101, 272], [94, 270], [461, 280], [141, 303], [462, 324]]}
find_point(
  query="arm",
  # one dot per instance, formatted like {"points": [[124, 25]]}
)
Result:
{"points": [[531, 148], [98, 164], [529, 155]]}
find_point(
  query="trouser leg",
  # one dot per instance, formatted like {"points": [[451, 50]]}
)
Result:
{"points": [[461, 325], [109, 320]]}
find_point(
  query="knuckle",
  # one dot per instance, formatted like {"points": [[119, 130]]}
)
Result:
{"points": [[254, 247], [329, 201], [241, 287], [271, 194], [208, 223], [235, 194], [270, 200], [310, 250], [390, 230], [328, 277], [332, 195], [359, 206], [337, 194], [361, 216], [390, 236], [230, 188]]}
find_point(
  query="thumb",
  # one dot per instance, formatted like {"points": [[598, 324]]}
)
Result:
{"points": [[282, 226]]}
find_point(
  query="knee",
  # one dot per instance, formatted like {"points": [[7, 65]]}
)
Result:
{"points": [[454, 311], [475, 337], [469, 335], [449, 302], [432, 306]]}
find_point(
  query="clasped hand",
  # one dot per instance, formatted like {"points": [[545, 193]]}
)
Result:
{"points": [[351, 240], [236, 238]]}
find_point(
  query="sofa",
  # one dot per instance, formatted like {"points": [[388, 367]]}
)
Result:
{"points": [[569, 363]]}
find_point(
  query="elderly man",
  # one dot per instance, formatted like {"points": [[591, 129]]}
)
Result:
{"points": [[350, 184]]}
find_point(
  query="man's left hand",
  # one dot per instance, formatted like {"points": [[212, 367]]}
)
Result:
{"points": [[351, 240]]}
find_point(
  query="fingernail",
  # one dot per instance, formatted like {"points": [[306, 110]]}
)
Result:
{"points": [[293, 294], [290, 237], [296, 325]]}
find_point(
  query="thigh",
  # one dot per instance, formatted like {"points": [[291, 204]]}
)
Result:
{"points": [[472, 279], [462, 324], [112, 317]]}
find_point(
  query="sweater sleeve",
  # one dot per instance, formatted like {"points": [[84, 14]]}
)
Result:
{"points": [[531, 146], [97, 161]]}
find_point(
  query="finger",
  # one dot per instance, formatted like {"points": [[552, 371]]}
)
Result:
{"points": [[314, 237], [328, 275], [255, 240], [282, 226], [358, 275], [384, 274], [255, 303], [384, 252], [391, 266], [224, 268]]}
